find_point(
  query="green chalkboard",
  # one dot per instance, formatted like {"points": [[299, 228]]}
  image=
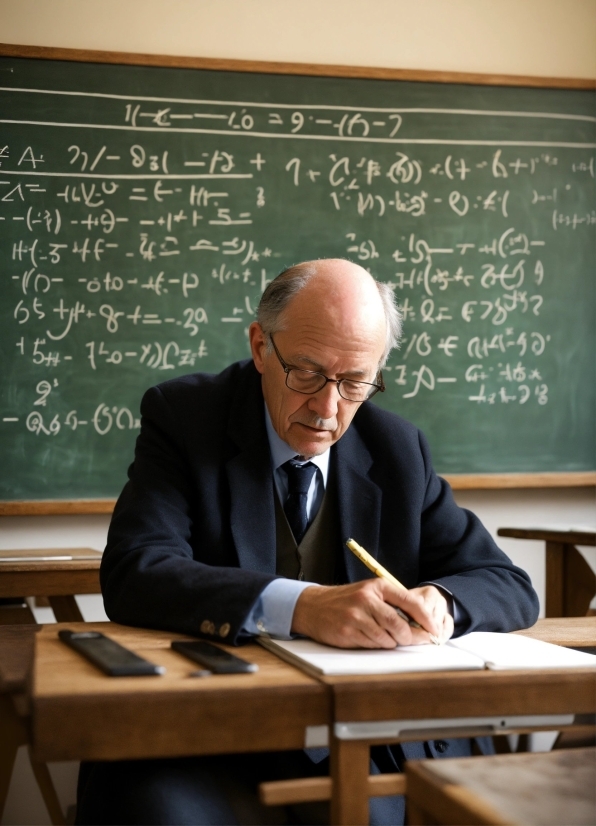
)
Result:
{"points": [[144, 208]]}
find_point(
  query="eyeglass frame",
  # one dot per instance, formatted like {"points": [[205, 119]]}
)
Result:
{"points": [[287, 368]]}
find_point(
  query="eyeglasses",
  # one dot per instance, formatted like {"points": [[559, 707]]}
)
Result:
{"points": [[309, 382]]}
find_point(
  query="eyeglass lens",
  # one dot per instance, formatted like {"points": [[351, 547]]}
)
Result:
{"points": [[303, 381]]}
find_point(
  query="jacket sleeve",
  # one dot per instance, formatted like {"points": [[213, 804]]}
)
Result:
{"points": [[151, 575], [458, 553]]}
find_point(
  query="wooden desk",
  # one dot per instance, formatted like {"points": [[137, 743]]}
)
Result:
{"points": [[570, 582], [571, 632], [550, 789], [78, 713], [447, 695], [58, 580]]}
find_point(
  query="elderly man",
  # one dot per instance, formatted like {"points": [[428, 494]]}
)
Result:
{"points": [[244, 488]]}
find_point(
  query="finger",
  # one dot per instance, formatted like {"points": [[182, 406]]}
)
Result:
{"points": [[448, 628], [368, 635], [433, 601], [381, 630], [375, 639], [401, 630], [367, 625], [438, 610], [411, 602], [446, 625], [380, 622], [429, 608], [411, 635], [389, 619], [444, 619], [421, 611], [418, 636]]}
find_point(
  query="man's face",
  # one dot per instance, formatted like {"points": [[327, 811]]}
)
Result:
{"points": [[310, 424]]}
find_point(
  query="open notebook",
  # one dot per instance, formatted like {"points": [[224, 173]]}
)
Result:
{"points": [[476, 651]]}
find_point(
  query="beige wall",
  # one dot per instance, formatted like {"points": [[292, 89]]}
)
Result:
{"points": [[534, 37]]}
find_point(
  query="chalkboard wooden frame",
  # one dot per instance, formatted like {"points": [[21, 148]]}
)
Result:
{"points": [[473, 481], [277, 68]]}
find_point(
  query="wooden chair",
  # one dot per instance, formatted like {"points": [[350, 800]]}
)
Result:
{"points": [[312, 789], [546, 788], [570, 582]]}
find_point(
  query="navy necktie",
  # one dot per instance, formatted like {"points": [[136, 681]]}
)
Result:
{"points": [[299, 479]]}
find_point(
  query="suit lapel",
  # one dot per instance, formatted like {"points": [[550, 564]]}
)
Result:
{"points": [[359, 501], [252, 512]]}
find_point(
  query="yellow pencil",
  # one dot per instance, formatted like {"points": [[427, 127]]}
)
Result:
{"points": [[374, 566]]}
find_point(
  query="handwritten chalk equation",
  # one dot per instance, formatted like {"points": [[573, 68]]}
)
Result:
{"points": [[137, 252]]}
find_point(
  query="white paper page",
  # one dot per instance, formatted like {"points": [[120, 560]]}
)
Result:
{"points": [[338, 661], [512, 651]]}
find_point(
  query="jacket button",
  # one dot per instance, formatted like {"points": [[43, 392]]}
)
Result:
{"points": [[441, 746], [206, 627], [224, 629]]}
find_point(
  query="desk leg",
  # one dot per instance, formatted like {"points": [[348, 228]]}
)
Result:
{"points": [[580, 584], [66, 609], [350, 760], [570, 581], [48, 792], [416, 815], [555, 579], [13, 736]]}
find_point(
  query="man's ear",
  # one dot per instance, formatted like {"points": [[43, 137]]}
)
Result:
{"points": [[258, 345]]}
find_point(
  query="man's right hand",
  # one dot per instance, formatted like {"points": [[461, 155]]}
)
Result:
{"points": [[361, 615]]}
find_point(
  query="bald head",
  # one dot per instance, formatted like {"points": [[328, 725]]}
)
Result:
{"points": [[330, 319], [332, 292]]}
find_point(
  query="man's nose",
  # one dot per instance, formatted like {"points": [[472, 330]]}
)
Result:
{"points": [[325, 402]]}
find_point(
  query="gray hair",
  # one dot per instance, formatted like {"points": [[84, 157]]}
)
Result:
{"points": [[288, 284]]}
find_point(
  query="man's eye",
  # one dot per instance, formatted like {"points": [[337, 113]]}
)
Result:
{"points": [[305, 379], [353, 386]]}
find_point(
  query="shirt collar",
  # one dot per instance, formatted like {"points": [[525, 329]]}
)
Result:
{"points": [[281, 451]]}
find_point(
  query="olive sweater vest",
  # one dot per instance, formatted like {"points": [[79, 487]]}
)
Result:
{"points": [[314, 559]]}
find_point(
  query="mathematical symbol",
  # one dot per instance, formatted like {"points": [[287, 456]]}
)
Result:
{"points": [[258, 161]]}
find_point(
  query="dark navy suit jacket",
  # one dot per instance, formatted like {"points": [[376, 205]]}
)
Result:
{"points": [[192, 542], [192, 539]]}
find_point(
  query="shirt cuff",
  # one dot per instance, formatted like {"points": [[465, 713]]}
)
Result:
{"points": [[273, 611]]}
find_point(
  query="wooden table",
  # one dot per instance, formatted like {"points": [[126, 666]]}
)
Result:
{"points": [[570, 582], [365, 709], [63, 708], [78, 713], [572, 632], [550, 789], [58, 580]]}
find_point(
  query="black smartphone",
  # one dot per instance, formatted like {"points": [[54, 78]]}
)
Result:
{"points": [[111, 657], [214, 658]]}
